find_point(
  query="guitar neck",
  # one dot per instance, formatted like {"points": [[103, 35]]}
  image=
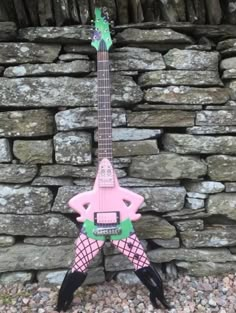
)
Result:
{"points": [[104, 107]]}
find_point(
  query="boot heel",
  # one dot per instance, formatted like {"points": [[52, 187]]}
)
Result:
{"points": [[72, 281], [152, 280]]}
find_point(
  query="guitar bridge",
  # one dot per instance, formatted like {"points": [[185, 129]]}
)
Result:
{"points": [[107, 223]]}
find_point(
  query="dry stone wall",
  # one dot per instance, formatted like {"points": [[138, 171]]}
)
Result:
{"points": [[174, 126], [69, 12]]}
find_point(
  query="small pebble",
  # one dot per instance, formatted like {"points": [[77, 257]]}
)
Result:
{"points": [[212, 302], [186, 294]]}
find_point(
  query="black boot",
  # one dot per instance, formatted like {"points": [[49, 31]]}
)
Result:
{"points": [[71, 282], [152, 280]]}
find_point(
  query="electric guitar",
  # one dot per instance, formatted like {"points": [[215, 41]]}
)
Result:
{"points": [[107, 210]]}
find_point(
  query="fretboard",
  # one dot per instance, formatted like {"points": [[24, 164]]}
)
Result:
{"points": [[104, 107]]}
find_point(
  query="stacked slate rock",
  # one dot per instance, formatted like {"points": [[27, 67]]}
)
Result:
{"points": [[70, 12], [174, 125]]}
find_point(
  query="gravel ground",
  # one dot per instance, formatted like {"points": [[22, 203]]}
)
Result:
{"points": [[188, 294]]}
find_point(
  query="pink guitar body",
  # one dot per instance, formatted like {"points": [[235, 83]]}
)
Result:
{"points": [[106, 201]]}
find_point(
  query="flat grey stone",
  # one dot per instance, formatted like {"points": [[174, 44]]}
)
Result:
{"points": [[204, 186], [231, 52], [54, 69], [94, 276], [132, 148], [65, 34], [167, 166], [192, 60], [228, 64], [25, 199], [226, 44], [7, 241], [222, 167], [23, 257], [46, 241], [136, 59], [206, 268], [197, 195], [161, 118], [127, 278], [67, 57], [52, 181], [221, 117], [230, 187], [167, 243], [64, 194], [33, 151], [5, 151], [229, 74], [139, 182], [22, 52], [17, 173], [83, 118], [19, 277], [156, 106], [194, 204], [186, 214], [73, 148], [48, 225], [189, 225], [190, 144], [162, 255], [186, 95], [58, 170], [118, 262], [80, 48], [157, 36], [64, 92], [223, 204], [152, 226], [162, 199], [210, 130], [218, 236], [180, 78], [126, 134], [39, 123]]}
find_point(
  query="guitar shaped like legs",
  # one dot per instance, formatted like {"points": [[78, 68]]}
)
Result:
{"points": [[107, 211]]}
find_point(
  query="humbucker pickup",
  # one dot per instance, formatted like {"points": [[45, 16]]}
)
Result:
{"points": [[107, 223]]}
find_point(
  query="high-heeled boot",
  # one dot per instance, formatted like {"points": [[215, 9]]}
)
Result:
{"points": [[71, 282], [152, 280]]}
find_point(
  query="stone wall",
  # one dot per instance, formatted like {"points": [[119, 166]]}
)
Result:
{"points": [[174, 125], [70, 12]]}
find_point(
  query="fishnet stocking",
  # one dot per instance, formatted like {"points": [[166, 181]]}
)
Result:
{"points": [[132, 248], [86, 250]]}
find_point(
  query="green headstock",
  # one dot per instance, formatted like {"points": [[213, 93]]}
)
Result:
{"points": [[101, 35]]}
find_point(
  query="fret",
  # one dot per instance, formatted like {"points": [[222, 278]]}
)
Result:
{"points": [[104, 107]]}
